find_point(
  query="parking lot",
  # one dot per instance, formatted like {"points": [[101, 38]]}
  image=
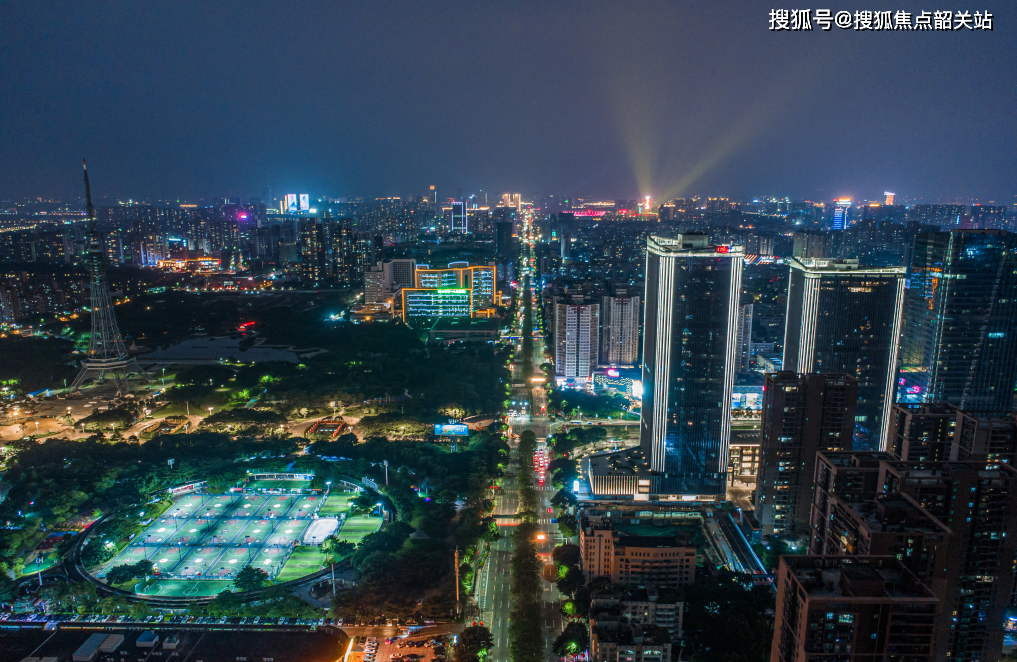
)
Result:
{"points": [[409, 649]]}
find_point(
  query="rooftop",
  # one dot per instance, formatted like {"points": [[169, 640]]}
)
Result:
{"points": [[862, 578], [896, 513]]}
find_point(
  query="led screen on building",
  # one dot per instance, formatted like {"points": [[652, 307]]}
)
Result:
{"points": [[291, 203], [451, 430], [305, 202]]}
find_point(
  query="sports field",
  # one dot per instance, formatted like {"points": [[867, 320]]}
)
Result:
{"points": [[336, 504], [202, 541]]}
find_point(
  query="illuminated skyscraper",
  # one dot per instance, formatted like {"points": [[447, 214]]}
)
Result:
{"points": [[841, 208], [459, 221], [689, 363], [844, 318], [959, 344]]}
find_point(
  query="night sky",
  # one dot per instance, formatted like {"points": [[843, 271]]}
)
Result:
{"points": [[210, 99]]}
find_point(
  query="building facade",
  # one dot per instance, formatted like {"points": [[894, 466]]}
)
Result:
{"points": [[845, 318], [689, 361], [802, 415], [851, 609], [959, 343], [619, 337]]}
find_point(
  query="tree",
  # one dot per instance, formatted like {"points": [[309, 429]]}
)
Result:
{"points": [[573, 640], [365, 501], [564, 498], [473, 644], [127, 572], [250, 579], [567, 555], [568, 525], [573, 580], [336, 549]]}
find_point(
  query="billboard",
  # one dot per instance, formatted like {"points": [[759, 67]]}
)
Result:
{"points": [[291, 203], [305, 202], [451, 430]]}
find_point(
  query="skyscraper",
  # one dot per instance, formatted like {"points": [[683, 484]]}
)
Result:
{"points": [[959, 341], [841, 209], [459, 222], [802, 415], [844, 318], [619, 333], [690, 333]]}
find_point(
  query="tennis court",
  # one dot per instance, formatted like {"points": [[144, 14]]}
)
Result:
{"points": [[202, 541]]}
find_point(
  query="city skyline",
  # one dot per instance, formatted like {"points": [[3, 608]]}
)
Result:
{"points": [[200, 102]]}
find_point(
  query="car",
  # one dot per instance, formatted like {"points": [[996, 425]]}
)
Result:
{"points": [[388, 641], [281, 621]]}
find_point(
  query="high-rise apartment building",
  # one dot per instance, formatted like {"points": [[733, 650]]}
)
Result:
{"points": [[922, 433], [959, 342], [979, 505], [576, 339], [689, 362], [619, 334], [802, 415], [314, 252], [851, 609], [844, 318], [942, 432], [842, 477]]}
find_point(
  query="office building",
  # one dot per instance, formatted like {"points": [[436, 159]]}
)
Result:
{"points": [[444, 302], [663, 561], [479, 280], [459, 218], [619, 333], [576, 339], [689, 363], [851, 609], [744, 343], [844, 318], [503, 231], [803, 414], [841, 213], [959, 343]]}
